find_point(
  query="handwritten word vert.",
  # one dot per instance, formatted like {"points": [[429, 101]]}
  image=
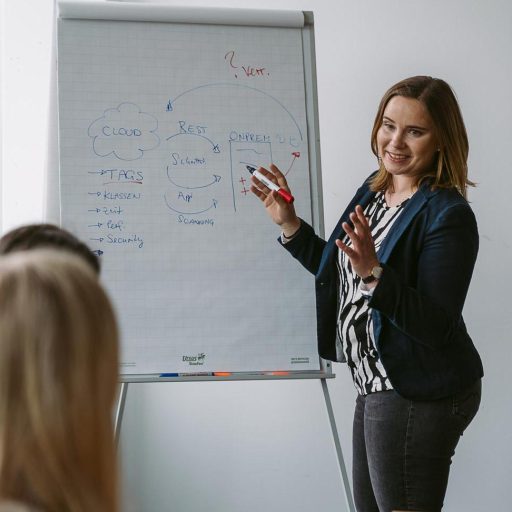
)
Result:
{"points": [[248, 70]]}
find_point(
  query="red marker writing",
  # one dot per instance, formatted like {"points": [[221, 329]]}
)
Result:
{"points": [[271, 185]]}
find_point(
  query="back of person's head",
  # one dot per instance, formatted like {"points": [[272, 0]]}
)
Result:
{"points": [[37, 236], [439, 100], [58, 382]]}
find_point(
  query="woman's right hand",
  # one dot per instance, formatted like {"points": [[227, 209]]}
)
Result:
{"points": [[281, 212]]}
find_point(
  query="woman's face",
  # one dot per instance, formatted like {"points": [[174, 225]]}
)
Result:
{"points": [[406, 141]]}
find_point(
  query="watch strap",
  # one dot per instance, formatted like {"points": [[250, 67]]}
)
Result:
{"points": [[375, 274]]}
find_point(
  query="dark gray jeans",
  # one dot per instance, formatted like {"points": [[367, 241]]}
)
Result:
{"points": [[402, 449]]}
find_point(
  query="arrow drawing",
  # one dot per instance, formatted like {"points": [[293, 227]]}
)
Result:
{"points": [[216, 179], [295, 154]]}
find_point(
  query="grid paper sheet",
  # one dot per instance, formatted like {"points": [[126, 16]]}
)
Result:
{"points": [[157, 123]]}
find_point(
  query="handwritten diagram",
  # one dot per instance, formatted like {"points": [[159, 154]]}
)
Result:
{"points": [[124, 131], [203, 159], [157, 125], [247, 139]]}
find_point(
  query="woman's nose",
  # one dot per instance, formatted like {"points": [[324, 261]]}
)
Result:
{"points": [[398, 138]]}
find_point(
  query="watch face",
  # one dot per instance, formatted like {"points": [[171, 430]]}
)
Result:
{"points": [[377, 272]]}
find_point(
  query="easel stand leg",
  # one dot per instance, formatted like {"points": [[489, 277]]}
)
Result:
{"points": [[123, 390], [339, 453]]}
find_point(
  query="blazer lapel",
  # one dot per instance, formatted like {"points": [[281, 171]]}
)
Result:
{"points": [[411, 209]]}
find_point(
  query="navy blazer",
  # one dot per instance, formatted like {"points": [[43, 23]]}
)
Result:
{"points": [[428, 259]]}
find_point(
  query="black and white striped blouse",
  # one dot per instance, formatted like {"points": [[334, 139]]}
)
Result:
{"points": [[355, 338]]}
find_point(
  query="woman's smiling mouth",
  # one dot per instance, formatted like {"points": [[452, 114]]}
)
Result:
{"points": [[396, 157]]}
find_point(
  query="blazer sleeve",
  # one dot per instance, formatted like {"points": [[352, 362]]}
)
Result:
{"points": [[429, 310], [306, 247]]}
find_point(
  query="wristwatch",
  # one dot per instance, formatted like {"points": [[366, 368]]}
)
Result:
{"points": [[375, 273]]}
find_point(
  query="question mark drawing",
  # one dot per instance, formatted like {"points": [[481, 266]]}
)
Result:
{"points": [[232, 53]]}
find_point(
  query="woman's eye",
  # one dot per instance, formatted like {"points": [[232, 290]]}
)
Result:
{"points": [[388, 126], [415, 133]]}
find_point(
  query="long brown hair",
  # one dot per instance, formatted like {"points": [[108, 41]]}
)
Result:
{"points": [[58, 381], [436, 95]]}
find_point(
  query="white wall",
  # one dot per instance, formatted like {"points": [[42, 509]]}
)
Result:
{"points": [[24, 79], [266, 445]]}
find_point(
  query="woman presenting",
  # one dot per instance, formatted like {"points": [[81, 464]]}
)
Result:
{"points": [[391, 282]]}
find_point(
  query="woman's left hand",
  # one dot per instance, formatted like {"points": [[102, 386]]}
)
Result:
{"points": [[362, 254]]}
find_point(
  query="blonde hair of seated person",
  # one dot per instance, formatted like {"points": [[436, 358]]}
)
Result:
{"points": [[58, 381]]}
